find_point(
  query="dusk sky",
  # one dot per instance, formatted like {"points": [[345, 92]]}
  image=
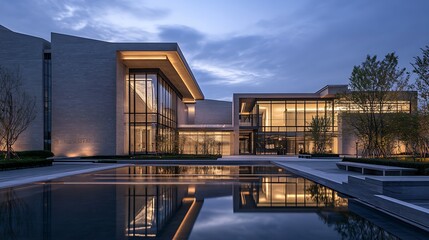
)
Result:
{"points": [[243, 46]]}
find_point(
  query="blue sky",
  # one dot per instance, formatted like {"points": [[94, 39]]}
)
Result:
{"points": [[243, 45]]}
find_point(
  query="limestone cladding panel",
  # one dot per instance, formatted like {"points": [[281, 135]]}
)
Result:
{"points": [[347, 138], [182, 113], [213, 112], [83, 97], [23, 52]]}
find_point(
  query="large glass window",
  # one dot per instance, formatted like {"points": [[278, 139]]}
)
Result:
{"points": [[216, 143], [278, 113], [284, 124], [47, 101], [151, 106]]}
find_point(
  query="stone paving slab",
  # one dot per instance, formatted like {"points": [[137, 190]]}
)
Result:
{"points": [[18, 177], [423, 179], [323, 168]]}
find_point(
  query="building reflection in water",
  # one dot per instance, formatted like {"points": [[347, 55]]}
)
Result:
{"points": [[13, 215], [164, 202], [149, 208], [282, 189]]}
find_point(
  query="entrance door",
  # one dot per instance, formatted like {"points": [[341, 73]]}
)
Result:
{"points": [[245, 143]]}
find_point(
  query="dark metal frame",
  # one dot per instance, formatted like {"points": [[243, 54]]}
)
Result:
{"points": [[262, 131], [161, 117], [47, 101]]}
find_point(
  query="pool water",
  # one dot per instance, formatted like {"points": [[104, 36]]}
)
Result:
{"points": [[190, 202]]}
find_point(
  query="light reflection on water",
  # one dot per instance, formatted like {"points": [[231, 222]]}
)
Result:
{"points": [[199, 202]]}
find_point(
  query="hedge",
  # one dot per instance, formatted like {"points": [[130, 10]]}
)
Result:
{"points": [[154, 157], [36, 154], [326, 155], [319, 155], [422, 167], [17, 163]]}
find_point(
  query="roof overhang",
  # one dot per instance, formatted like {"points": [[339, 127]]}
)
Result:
{"points": [[172, 64]]}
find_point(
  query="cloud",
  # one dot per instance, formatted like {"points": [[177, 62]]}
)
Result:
{"points": [[296, 47], [180, 33], [115, 21], [229, 75], [189, 39], [67, 12]]}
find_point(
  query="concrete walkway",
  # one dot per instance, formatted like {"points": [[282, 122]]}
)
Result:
{"points": [[18, 177], [323, 171]]}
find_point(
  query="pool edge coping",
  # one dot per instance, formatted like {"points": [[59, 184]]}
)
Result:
{"points": [[29, 180]]}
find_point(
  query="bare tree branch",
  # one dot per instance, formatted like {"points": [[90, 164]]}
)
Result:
{"points": [[17, 109]]}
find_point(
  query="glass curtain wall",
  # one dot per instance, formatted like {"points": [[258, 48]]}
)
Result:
{"points": [[152, 112], [47, 101], [216, 143], [283, 126]]}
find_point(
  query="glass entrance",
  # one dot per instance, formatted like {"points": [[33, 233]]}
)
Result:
{"points": [[151, 108], [246, 143]]}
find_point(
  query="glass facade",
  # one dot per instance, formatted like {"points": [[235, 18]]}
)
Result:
{"points": [[392, 106], [282, 126], [152, 112], [47, 101], [196, 142]]}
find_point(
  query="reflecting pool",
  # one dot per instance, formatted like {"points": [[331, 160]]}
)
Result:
{"points": [[190, 202]]}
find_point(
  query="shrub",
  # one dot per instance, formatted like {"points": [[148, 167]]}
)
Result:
{"points": [[154, 157], [326, 155], [35, 154], [16, 164]]}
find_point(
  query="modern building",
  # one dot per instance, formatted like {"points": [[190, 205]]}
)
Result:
{"points": [[103, 98]]}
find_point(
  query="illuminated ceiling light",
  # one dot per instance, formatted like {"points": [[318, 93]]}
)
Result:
{"points": [[176, 62], [188, 100], [144, 57], [181, 74]]}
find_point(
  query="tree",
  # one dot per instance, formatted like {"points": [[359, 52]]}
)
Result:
{"points": [[17, 109], [183, 140], [413, 130], [421, 68], [319, 130], [374, 87], [419, 136]]}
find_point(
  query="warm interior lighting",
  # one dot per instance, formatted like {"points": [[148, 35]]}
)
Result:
{"points": [[191, 190], [177, 63], [243, 105], [188, 100], [144, 57], [191, 109], [181, 75]]}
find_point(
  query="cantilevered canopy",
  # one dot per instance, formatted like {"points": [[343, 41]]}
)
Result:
{"points": [[172, 64]]}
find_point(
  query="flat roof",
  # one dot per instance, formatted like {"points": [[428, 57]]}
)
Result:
{"points": [[170, 60], [328, 91], [164, 56]]}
